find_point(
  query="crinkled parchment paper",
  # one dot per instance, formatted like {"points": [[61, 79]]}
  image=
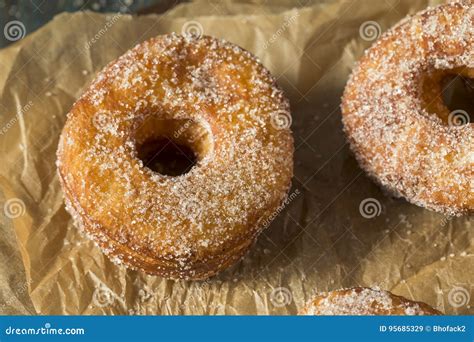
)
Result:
{"points": [[322, 240]]}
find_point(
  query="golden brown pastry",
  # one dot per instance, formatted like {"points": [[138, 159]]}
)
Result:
{"points": [[365, 301], [201, 95], [400, 130]]}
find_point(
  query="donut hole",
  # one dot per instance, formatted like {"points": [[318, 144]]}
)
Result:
{"points": [[166, 157], [449, 94], [172, 147], [458, 96]]}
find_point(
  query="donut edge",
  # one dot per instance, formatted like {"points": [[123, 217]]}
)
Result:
{"points": [[364, 163], [401, 302]]}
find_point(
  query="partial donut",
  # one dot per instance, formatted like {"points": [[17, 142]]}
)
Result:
{"points": [[364, 301], [198, 95], [400, 130]]}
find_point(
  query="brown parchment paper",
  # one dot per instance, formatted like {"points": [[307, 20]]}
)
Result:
{"points": [[319, 242]]}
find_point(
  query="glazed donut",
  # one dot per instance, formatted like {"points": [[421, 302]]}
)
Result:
{"points": [[364, 301], [401, 132], [198, 93]]}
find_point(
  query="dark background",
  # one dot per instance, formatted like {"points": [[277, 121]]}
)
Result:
{"points": [[35, 13]]}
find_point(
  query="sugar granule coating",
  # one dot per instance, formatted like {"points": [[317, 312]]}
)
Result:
{"points": [[362, 301], [400, 130], [200, 91]]}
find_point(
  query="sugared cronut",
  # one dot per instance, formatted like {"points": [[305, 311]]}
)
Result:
{"points": [[200, 92], [394, 116]]}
